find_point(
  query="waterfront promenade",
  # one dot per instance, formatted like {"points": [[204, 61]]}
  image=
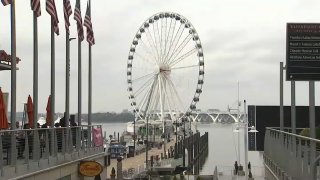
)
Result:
{"points": [[138, 160]]}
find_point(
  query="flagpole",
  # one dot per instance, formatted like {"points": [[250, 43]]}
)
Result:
{"points": [[79, 82], [13, 158], [35, 69], [90, 79], [13, 66], [67, 113], [52, 102], [90, 88], [52, 73], [35, 87]]}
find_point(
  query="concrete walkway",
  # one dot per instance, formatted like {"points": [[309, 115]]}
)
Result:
{"points": [[138, 160]]}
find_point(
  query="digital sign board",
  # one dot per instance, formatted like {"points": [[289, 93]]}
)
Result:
{"points": [[303, 52]]}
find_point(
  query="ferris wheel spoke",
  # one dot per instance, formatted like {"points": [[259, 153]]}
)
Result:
{"points": [[182, 57], [145, 69], [175, 41], [167, 37], [163, 37], [171, 36], [143, 87], [152, 44], [167, 97], [157, 37], [152, 97], [161, 40], [181, 46], [155, 98], [145, 59], [172, 99], [156, 40], [184, 67], [146, 96], [143, 77], [143, 101], [164, 43], [148, 50], [174, 91]]}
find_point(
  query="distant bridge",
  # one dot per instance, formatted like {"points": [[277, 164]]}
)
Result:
{"points": [[216, 117]]}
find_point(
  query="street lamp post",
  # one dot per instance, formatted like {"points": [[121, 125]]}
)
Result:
{"points": [[184, 143], [134, 136], [67, 106], [245, 141], [247, 129], [176, 130]]}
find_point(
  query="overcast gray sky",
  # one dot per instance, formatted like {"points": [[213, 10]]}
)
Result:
{"points": [[242, 40]]}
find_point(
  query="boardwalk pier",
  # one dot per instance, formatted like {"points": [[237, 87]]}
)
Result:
{"points": [[187, 155]]}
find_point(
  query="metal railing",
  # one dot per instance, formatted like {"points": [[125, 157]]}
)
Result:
{"points": [[291, 155], [22, 146]]}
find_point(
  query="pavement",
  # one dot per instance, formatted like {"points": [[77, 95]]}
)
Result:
{"points": [[138, 160]]}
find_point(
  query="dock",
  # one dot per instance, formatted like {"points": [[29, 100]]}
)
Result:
{"points": [[138, 161], [187, 155]]}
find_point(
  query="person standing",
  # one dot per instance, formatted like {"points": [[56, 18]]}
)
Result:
{"points": [[236, 167], [62, 121]]}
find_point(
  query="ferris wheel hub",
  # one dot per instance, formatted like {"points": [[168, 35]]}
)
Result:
{"points": [[164, 69]]}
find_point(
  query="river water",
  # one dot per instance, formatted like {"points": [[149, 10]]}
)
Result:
{"points": [[223, 147]]}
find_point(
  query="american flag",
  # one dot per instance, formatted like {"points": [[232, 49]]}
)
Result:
{"points": [[51, 9], [87, 23], [35, 6], [77, 17], [67, 10], [6, 2]]}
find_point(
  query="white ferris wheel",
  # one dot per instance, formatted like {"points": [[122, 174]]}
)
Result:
{"points": [[165, 68]]}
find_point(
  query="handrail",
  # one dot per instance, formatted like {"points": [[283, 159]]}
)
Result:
{"points": [[286, 128], [281, 147], [37, 129], [296, 135], [57, 166], [41, 143]]}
